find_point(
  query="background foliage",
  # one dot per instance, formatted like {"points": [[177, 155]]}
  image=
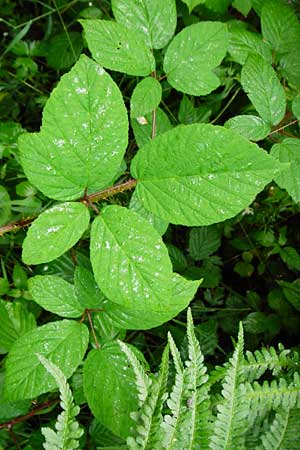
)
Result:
{"points": [[248, 258]]}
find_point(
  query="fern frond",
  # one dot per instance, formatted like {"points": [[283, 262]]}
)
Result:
{"points": [[141, 379], [67, 432], [272, 395], [187, 425], [149, 417], [284, 433], [231, 422], [175, 401], [258, 362]]}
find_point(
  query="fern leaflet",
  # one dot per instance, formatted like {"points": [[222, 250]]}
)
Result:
{"points": [[67, 434]]}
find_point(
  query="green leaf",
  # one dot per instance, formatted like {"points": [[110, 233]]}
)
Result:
{"points": [[288, 151], [64, 49], [204, 241], [142, 127], [260, 82], [143, 319], [54, 232], [177, 258], [251, 127], [191, 4], [118, 48], [200, 174], [15, 321], [290, 67], [188, 114], [296, 106], [280, 26], [146, 96], [10, 410], [242, 43], [64, 343], [86, 289], [159, 224], [56, 295], [130, 261], [109, 386], [291, 257], [5, 206], [154, 19], [255, 322], [291, 292], [73, 153], [243, 6], [193, 54]]}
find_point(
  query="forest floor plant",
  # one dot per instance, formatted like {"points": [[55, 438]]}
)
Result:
{"points": [[125, 216]]}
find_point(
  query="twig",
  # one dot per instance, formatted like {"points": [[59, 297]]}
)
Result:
{"points": [[87, 200], [153, 127], [92, 329], [10, 423], [284, 126]]}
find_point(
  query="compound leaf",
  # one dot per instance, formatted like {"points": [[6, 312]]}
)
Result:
{"points": [[288, 151], [193, 54], [260, 82], [155, 19], [200, 174], [56, 295], [54, 232], [130, 261], [84, 115], [64, 343], [118, 48], [109, 386]]}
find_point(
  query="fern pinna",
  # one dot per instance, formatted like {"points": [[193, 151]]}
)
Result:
{"points": [[242, 414]]}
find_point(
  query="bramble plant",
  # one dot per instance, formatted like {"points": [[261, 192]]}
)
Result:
{"points": [[86, 187]]}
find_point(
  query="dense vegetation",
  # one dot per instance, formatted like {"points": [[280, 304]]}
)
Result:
{"points": [[149, 163]]}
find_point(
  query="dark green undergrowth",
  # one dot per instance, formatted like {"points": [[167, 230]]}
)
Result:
{"points": [[149, 224]]}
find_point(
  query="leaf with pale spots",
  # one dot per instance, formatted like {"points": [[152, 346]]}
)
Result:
{"points": [[143, 319], [130, 261], [193, 55], [200, 174], [136, 205], [54, 232], [261, 84], [117, 47], [109, 387], [64, 343], [84, 115], [56, 295], [156, 20]]}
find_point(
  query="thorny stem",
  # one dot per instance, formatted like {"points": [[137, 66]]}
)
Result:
{"points": [[27, 416], [87, 200]]}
